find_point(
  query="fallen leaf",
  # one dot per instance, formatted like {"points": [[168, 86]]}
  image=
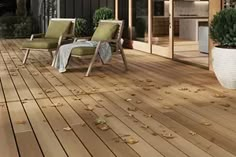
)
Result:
{"points": [[135, 120], [43, 106], [89, 108], [192, 133], [2, 105], [147, 89], [128, 100], [133, 94], [166, 85], [145, 126], [168, 135], [130, 140], [100, 121], [21, 122], [167, 107], [99, 106], [212, 102], [148, 80], [130, 115], [103, 127], [107, 115], [75, 98], [166, 92], [67, 129], [183, 89], [132, 109], [155, 134], [160, 99], [138, 101], [206, 123], [82, 124], [219, 96], [147, 115], [57, 105], [225, 105]]}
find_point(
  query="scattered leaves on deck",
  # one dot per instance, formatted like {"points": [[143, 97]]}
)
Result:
{"points": [[57, 105], [192, 133], [128, 100], [138, 102], [67, 129], [103, 127], [219, 96], [100, 121], [206, 123], [147, 115], [145, 126], [133, 94], [21, 122], [130, 140], [99, 106], [107, 115], [183, 89], [89, 108], [167, 107], [168, 135], [225, 105], [132, 109]]}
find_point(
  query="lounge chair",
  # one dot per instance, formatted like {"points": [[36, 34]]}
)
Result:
{"points": [[58, 30], [102, 34]]}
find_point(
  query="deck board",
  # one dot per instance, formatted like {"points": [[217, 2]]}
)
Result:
{"points": [[169, 98]]}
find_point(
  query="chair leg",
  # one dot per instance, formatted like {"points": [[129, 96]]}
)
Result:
{"points": [[50, 51], [123, 56], [26, 55], [93, 60]]}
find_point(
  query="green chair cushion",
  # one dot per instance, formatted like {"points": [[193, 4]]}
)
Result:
{"points": [[41, 43], [85, 51], [56, 28], [105, 31]]}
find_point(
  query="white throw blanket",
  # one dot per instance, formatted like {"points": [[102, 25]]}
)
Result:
{"points": [[60, 61]]}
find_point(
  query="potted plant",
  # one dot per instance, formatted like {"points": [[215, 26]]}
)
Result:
{"points": [[223, 33], [102, 14]]}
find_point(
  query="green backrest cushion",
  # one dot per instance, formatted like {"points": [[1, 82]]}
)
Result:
{"points": [[56, 28], [105, 31]]}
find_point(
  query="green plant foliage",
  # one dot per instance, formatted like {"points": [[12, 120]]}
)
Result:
{"points": [[15, 26], [102, 14], [223, 28], [81, 28]]}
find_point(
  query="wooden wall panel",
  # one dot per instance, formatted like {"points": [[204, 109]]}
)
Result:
{"points": [[83, 8], [78, 8], [70, 8]]}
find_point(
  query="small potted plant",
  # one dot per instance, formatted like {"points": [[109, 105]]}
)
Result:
{"points": [[102, 14], [223, 33]]}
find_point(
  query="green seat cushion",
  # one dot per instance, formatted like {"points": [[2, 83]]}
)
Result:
{"points": [[56, 28], [85, 51], [41, 43], [105, 31]]}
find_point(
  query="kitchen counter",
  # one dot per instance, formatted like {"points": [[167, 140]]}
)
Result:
{"points": [[188, 28], [183, 17]]}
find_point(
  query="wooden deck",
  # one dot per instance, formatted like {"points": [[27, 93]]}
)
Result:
{"points": [[159, 108]]}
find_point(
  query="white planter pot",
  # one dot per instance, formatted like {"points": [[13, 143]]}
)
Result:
{"points": [[224, 65]]}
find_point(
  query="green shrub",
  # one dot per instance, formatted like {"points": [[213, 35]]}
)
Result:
{"points": [[223, 28], [81, 28], [102, 14], [15, 26]]}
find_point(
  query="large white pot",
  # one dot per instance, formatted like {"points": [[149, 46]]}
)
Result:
{"points": [[224, 65]]}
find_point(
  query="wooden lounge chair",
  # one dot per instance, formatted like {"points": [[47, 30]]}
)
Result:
{"points": [[103, 34], [58, 30]]}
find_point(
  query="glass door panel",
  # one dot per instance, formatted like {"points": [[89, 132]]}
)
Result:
{"points": [[160, 27]]}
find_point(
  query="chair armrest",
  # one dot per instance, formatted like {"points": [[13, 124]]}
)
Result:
{"points": [[68, 36], [109, 41], [36, 35]]}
